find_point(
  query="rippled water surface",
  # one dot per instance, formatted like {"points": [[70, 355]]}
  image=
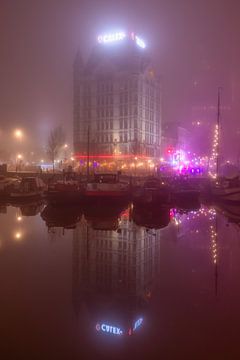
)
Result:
{"points": [[118, 282]]}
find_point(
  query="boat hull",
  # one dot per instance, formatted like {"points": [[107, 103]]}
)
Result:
{"points": [[58, 197], [23, 197]]}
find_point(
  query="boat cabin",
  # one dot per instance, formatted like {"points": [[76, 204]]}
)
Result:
{"points": [[106, 178]]}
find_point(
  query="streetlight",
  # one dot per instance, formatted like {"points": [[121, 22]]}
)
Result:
{"points": [[65, 146], [18, 134]]}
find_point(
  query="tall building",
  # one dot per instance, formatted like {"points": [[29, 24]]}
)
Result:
{"points": [[117, 100]]}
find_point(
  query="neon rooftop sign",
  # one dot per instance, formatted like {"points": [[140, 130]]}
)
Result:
{"points": [[119, 36]]}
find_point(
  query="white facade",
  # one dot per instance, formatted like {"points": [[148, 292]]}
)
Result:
{"points": [[117, 96]]}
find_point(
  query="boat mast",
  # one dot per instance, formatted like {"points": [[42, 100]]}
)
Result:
{"points": [[88, 150]]}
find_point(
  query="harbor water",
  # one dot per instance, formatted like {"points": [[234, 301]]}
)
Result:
{"points": [[115, 283]]}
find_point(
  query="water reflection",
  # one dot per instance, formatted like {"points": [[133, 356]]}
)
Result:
{"points": [[153, 218], [152, 276], [114, 272], [61, 216]]}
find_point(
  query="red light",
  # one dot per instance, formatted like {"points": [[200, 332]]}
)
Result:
{"points": [[170, 150]]}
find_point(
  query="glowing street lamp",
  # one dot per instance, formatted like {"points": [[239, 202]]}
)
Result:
{"points": [[18, 134]]}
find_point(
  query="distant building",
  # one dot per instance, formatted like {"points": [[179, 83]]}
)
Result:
{"points": [[117, 99], [174, 137]]}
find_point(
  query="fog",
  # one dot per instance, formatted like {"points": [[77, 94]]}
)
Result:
{"points": [[194, 45]]}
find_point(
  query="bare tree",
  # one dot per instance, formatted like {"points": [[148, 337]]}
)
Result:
{"points": [[56, 140]]}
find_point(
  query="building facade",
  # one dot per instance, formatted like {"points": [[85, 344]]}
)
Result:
{"points": [[117, 100]]}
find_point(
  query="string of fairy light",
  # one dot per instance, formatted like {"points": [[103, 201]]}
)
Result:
{"points": [[213, 235], [209, 213], [214, 155]]}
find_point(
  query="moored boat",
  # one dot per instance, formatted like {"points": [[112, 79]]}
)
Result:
{"points": [[108, 187], [226, 191], [7, 185], [153, 192], [65, 192], [29, 188]]}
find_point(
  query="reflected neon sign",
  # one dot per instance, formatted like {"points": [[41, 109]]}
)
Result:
{"points": [[114, 330], [137, 324]]}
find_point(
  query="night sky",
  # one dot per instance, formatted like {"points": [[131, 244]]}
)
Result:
{"points": [[190, 41]]}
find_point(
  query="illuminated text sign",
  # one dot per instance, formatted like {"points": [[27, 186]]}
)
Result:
{"points": [[109, 329], [112, 37], [119, 36]]}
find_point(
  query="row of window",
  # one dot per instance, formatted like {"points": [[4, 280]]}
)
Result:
{"points": [[105, 125], [124, 111], [105, 112], [124, 98], [107, 87], [104, 100]]}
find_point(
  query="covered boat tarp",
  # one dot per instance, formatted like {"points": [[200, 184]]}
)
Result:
{"points": [[229, 171]]}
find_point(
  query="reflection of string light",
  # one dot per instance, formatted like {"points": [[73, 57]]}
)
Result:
{"points": [[213, 243], [210, 214], [19, 218]]}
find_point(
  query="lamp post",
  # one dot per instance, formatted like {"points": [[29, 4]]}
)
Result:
{"points": [[18, 161], [65, 152]]}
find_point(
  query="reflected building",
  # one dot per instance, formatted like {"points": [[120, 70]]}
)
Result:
{"points": [[114, 272]]}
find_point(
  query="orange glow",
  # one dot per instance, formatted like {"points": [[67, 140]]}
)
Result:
{"points": [[126, 156]]}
